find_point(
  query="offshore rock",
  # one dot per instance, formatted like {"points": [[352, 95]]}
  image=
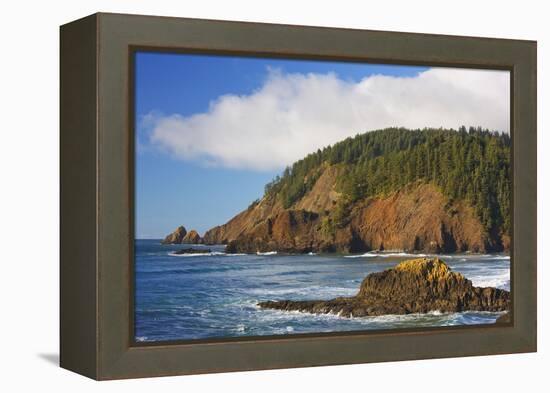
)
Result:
{"points": [[413, 286], [175, 237], [192, 237]]}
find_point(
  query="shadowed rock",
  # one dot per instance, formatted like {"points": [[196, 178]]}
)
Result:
{"points": [[192, 251], [413, 286]]}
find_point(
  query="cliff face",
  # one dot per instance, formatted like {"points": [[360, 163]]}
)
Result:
{"points": [[418, 217], [414, 286], [430, 190]]}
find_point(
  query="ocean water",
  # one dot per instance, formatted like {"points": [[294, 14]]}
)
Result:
{"points": [[180, 297]]}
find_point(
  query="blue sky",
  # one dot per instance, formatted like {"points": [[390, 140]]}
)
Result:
{"points": [[172, 192], [213, 130]]}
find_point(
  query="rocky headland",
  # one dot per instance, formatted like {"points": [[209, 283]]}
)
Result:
{"points": [[414, 286], [416, 218], [430, 191]]}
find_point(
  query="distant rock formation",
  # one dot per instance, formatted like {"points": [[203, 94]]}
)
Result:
{"points": [[192, 237], [413, 286], [181, 236], [175, 237]]}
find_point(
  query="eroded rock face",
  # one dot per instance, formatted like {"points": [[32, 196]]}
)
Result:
{"points": [[413, 286], [416, 218], [175, 237], [192, 237]]}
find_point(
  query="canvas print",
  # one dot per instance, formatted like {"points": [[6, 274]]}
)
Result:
{"points": [[283, 197]]}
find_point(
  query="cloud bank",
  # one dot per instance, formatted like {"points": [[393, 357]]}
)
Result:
{"points": [[292, 115]]}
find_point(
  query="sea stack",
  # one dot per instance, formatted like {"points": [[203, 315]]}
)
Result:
{"points": [[192, 237], [175, 237], [413, 286]]}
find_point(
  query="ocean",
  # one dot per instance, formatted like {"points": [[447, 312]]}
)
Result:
{"points": [[181, 297]]}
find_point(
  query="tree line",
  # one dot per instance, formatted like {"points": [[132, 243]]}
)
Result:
{"points": [[466, 164]]}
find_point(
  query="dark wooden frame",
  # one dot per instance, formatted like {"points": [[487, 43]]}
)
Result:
{"points": [[97, 159]]}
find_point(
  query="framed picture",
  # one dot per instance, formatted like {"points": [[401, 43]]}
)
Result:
{"points": [[241, 196]]}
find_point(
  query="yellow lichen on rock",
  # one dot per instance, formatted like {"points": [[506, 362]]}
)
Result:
{"points": [[432, 269], [414, 286]]}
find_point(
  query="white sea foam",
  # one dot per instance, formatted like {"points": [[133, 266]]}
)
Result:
{"points": [[462, 257], [267, 253], [498, 257], [206, 254], [312, 292], [501, 281]]}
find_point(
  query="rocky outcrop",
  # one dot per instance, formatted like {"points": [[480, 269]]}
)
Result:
{"points": [[249, 222], [413, 286], [175, 237], [181, 236], [292, 231], [192, 237]]}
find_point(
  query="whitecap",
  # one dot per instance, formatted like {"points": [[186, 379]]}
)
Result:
{"points": [[206, 254], [501, 281], [314, 291], [267, 253]]}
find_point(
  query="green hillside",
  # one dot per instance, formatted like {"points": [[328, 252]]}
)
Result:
{"points": [[471, 165]]}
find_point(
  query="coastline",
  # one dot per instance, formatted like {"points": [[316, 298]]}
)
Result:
{"points": [[217, 295]]}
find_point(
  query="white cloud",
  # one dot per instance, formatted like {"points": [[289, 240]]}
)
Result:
{"points": [[291, 115]]}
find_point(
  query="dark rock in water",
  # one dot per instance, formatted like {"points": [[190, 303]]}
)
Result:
{"points": [[231, 248], [192, 237], [504, 318], [193, 251], [413, 286], [175, 237]]}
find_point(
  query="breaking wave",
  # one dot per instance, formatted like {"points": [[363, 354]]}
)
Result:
{"points": [[206, 254]]}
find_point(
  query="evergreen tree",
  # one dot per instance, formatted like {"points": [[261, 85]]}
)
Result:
{"points": [[473, 165]]}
